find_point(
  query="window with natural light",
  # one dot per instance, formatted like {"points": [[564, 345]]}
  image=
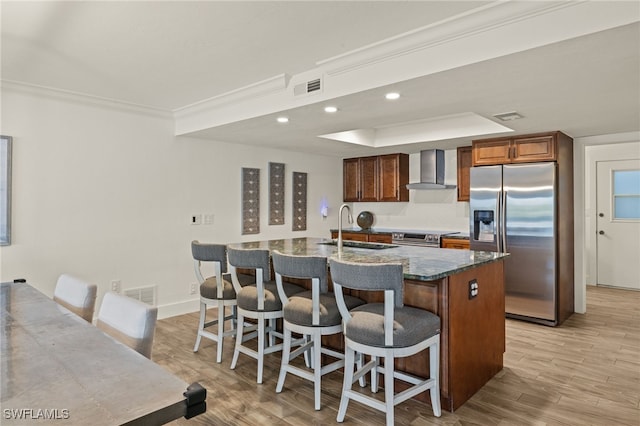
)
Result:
{"points": [[626, 194]]}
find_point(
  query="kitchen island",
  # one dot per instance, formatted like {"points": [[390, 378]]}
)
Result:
{"points": [[440, 281]]}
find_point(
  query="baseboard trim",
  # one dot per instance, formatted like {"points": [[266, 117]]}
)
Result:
{"points": [[180, 308]]}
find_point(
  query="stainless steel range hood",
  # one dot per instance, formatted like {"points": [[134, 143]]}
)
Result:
{"points": [[431, 171]]}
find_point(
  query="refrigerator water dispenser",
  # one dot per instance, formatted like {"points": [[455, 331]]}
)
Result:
{"points": [[483, 225]]}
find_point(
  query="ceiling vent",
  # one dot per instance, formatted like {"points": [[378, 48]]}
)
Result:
{"points": [[308, 87]]}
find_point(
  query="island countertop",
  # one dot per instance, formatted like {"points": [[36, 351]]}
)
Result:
{"points": [[418, 263]]}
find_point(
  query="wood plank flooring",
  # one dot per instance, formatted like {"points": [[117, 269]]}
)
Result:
{"points": [[585, 372]]}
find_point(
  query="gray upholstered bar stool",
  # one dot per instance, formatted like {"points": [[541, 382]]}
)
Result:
{"points": [[386, 330], [259, 301], [216, 291], [76, 295], [312, 313], [129, 321]]}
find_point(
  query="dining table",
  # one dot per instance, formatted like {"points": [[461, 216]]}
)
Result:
{"points": [[57, 367]]}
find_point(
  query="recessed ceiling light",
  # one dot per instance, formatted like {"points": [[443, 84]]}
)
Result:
{"points": [[330, 109], [283, 120], [508, 116], [392, 96]]}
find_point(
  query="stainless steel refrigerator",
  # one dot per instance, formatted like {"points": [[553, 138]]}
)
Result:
{"points": [[513, 208]]}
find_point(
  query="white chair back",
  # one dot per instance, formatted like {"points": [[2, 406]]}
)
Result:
{"points": [[129, 321]]}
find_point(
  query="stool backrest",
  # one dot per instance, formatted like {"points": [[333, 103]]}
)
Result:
{"points": [[387, 277], [214, 253], [129, 321], [301, 267], [305, 267], [76, 295], [256, 259]]}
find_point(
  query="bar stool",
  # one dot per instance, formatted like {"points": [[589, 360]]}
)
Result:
{"points": [[259, 301], [386, 330], [76, 295], [215, 291], [312, 313]]}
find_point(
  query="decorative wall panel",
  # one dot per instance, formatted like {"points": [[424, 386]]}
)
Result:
{"points": [[276, 194], [250, 201], [299, 201]]}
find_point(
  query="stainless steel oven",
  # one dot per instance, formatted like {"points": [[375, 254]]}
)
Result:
{"points": [[419, 238]]}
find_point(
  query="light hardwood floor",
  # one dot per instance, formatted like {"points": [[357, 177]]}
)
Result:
{"points": [[585, 372]]}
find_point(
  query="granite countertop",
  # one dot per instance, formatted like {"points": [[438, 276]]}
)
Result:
{"points": [[419, 263]]}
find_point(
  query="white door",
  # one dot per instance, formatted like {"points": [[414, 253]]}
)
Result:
{"points": [[618, 223]]}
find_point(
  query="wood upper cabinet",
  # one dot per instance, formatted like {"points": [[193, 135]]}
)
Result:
{"points": [[517, 149], [360, 179], [393, 177], [378, 178], [464, 171]]}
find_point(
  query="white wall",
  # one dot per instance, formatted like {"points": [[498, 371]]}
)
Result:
{"points": [[105, 192], [434, 209]]}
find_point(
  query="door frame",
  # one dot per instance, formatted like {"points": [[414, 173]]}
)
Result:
{"points": [[587, 151]]}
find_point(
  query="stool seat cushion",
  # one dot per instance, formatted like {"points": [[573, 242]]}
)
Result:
{"points": [[209, 289], [248, 296], [299, 309], [411, 325]]}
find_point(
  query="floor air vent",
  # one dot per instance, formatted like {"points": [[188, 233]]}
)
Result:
{"points": [[143, 294], [308, 87]]}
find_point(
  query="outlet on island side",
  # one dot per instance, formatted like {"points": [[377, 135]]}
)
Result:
{"points": [[193, 288], [473, 289]]}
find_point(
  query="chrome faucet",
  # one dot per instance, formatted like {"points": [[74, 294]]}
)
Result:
{"points": [[349, 219]]}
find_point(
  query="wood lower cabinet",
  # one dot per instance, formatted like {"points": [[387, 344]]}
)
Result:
{"points": [[378, 178], [518, 149], [380, 238], [455, 243], [363, 236], [465, 159]]}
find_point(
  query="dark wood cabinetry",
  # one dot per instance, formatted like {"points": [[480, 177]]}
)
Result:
{"points": [[518, 149], [465, 159], [363, 236], [454, 243], [378, 178]]}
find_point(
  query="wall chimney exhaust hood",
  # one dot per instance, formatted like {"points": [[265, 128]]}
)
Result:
{"points": [[431, 171]]}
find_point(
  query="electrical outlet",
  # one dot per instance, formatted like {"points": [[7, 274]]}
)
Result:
{"points": [[116, 286], [208, 218], [193, 288], [473, 289]]}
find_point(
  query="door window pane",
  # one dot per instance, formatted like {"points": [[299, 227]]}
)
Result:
{"points": [[626, 194]]}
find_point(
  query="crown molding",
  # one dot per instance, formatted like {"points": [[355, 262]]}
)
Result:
{"points": [[265, 87], [82, 98], [471, 23]]}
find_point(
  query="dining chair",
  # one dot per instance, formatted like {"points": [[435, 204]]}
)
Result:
{"points": [[259, 301], [313, 313], [76, 295], [386, 330], [129, 321]]}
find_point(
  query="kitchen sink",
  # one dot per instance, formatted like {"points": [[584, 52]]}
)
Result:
{"points": [[359, 244]]}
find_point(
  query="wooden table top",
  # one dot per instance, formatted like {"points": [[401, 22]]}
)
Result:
{"points": [[56, 366]]}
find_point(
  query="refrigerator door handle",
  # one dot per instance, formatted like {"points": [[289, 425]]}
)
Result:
{"points": [[503, 221], [497, 222]]}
